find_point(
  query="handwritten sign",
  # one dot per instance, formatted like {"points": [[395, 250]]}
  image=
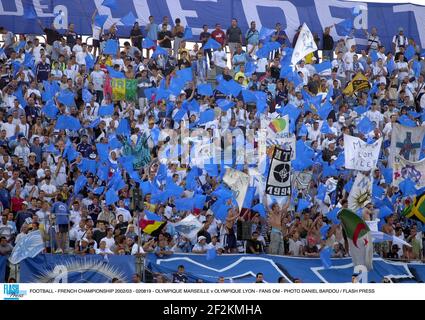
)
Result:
{"points": [[359, 155]]}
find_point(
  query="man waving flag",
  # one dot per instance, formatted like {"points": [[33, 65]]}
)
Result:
{"points": [[305, 45], [359, 238]]}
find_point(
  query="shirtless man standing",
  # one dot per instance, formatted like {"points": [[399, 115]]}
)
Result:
{"points": [[275, 221]]}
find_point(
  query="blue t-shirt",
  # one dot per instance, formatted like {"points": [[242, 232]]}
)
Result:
{"points": [[61, 211]]}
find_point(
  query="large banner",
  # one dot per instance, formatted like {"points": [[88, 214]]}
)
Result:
{"points": [[77, 269], [361, 192], [406, 142], [279, 179], [124, 90], [243, 268], [360, 155], [404, 169], [317, 14]]}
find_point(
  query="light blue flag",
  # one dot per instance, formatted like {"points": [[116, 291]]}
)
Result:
{"points": [[324, 110], [129, 19], [410, 52], [98, 190], [324, 231], [111, 47], [68, 123], [249, 96], [80, 183], [151, 216], [205, 90], [374, 56], [384, 212], [390, 66], [184, 204], [188, 33], [212, 44], [147, 43], [67, 98], [260, 209], [87, 96], [94, 123], [302, 204], [28, 246], [50, 110], [417, 68], [200, 201], [123, 128], [100, 20], [325, 257], [406, 121], [207, 116], [159, 51], [107, 110], [407, 187], [224, 104], [185, 74], [115, 74], [365, 126], [265, 33], [89, 61], [333, 216], [111, 197], [324, 67]]}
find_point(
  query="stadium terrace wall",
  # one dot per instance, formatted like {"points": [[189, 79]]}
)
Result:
{"points": [[19, 16]]}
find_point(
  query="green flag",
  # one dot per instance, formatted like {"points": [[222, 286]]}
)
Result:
{"points": [[359, 238]]}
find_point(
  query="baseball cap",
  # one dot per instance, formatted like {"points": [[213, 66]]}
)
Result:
{"points": [[200, 238]]}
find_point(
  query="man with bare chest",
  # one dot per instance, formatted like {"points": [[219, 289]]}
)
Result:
{"points": [[276, 235]]}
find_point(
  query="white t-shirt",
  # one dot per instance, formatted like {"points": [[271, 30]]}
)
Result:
{"points": [[98, 78], [109, 242], [10, 129], [134, 249], [295, 247], [219, 58], [77, 48], [125, 213], [402, 65], [81, 57]]}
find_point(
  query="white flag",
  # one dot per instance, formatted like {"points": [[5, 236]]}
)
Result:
{"points": [[360, 155], [188, 227], [238, 182], [305, 45], [406, 142], [361, 192], [28, 246], [404, 169]]}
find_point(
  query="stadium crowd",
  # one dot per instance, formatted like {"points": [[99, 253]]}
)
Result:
{"points": [[56, 178]]}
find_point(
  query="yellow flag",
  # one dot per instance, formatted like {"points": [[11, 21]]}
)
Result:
{"points": [[359, 83]]}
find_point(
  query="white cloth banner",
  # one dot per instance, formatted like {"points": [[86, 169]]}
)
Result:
{"points": [[305, 45], [189, 227], [406, 142], [28, 246], [404, 169], [238, 182], [361, 192], [360, 155]]}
